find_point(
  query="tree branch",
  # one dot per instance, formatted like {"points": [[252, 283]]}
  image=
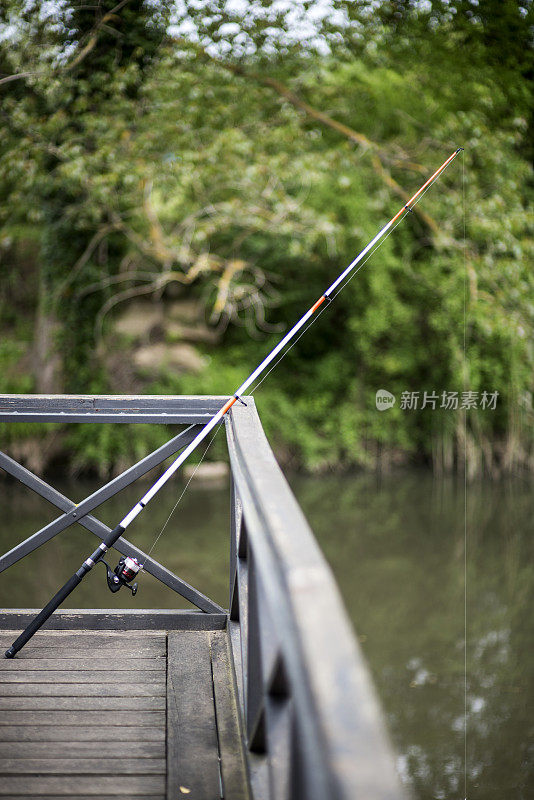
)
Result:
{"points": [[346, 131], [17, 76], [84, 258], [93, 36]]}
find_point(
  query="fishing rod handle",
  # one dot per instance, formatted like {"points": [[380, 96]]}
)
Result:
{"points": [[43, 615], [59, 597]]}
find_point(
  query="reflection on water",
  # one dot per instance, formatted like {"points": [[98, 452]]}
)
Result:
{"points": [[397, 551]]}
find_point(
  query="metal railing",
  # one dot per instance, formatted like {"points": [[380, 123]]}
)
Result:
{"points": [[311, 723]]}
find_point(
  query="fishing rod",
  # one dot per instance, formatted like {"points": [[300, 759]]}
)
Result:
{"points": [[127, 568]]}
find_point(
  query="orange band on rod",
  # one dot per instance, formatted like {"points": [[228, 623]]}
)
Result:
{"points": [[319, 302], [423, 187], [229, 403]]}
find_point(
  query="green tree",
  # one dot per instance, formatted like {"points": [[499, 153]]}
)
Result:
{"points": [[80, 71], [248, 157]]}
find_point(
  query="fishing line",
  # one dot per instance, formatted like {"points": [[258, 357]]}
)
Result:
{"points": [[353, 274], [154, 543], [277, 362], [128, 567], [465, 478], [323, 309], [342, 286], [284, 353]]}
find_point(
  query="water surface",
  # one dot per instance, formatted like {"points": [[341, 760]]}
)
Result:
{"points": [[396, 547], [397, 550]]}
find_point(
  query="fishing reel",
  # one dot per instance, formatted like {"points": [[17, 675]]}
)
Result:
{"points": [[125, 571]]}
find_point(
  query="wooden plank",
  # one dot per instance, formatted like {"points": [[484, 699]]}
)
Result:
{"points": [[86, 664], [78, 796], [77, 733], [83, 689], [67, 644], [234, 770], [111, 619], [47, 703], [80, 676], [82, 766], [342, 740], [69, 749], [82, 718], [65, 657], [48, 638], [112, 652], [65, 728], [192, 754], [67, 786], [88, 639]]}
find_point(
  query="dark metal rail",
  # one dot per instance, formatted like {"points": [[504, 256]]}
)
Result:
{"points": [[311, 723]]}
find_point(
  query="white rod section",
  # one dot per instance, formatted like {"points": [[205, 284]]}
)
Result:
{"points": [[162, 480]]}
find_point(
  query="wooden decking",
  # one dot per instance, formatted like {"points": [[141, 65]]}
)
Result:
{"points": [[101, 714], [150, 710]]}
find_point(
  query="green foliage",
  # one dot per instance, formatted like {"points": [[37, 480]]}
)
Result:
{"points": [[248, 164], [105, 448], [14, 380]]}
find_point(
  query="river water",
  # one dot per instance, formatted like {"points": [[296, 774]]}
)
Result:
{"points": [[396, 546]]}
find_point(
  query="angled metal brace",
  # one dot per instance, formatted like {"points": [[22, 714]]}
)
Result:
{"points": [[97, 498], [96, 527], [99, 529]]}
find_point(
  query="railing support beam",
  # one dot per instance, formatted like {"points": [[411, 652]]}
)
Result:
{"points": [[97, 498], [99, 529]]}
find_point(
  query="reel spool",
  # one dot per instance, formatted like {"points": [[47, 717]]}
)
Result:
{"points": [[125, 571]]}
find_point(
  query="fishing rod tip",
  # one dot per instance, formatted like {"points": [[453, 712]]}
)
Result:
{"points": [[460, 149]]}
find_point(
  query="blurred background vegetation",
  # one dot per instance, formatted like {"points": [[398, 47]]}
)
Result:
{"points": [[181, 180]]}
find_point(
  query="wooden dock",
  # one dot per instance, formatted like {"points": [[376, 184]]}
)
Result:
{"points": [[268, 698], [102, 714]]}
